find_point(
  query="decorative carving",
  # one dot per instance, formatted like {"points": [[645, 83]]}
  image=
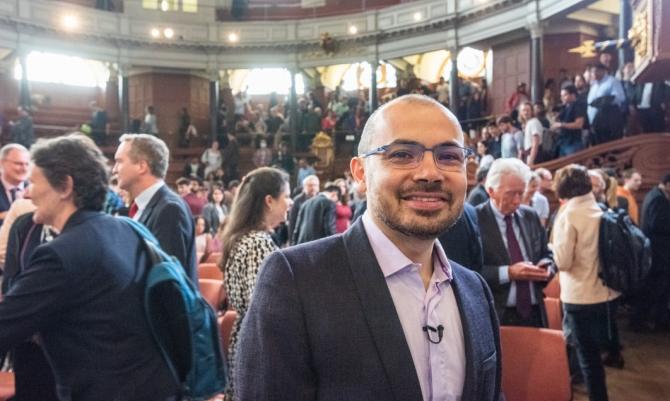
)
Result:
{"points": [[637, 35], [323, 149]]}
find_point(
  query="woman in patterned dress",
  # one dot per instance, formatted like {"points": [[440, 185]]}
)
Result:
{"points": [[262, 202]]}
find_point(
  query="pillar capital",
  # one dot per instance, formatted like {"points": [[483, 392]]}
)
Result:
{"points": [[536, 29]]}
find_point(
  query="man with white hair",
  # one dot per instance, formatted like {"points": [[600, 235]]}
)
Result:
{"points": [[517, 261]]}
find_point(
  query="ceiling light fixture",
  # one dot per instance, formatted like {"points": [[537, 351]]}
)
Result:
{"points": [[155, 33], [417, 16], [353, 29], [233, 37], [165, 6], [168, 33]]}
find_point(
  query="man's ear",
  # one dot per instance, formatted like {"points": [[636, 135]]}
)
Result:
{"points": [[67, 189], [357, 167]]}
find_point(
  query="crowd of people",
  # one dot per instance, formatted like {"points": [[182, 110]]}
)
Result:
{"points": [[401, 275]]}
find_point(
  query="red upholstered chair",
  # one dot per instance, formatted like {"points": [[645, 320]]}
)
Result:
{"points": [[554, 313], [553, 288], [6, 385], [210, 271], [213, 257], [534, 364], [213, 291], [226, 326]]}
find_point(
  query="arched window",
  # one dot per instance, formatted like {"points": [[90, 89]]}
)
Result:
{"points": [[62, 69], [358, 76], [262, 81]]}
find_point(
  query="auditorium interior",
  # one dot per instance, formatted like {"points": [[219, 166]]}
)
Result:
{"points": [[220, 70]]}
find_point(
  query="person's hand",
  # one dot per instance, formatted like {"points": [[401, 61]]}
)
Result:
{"points": [[528, 271], [556, 125]]}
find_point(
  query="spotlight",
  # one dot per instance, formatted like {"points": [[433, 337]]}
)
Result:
{"points": [[353, 29], [155, 33], [417, 16], [70, 22], [168, 33], [233, 37]]}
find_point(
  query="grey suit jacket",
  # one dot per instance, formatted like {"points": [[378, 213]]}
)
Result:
{"points": [[322, 326], [534, 238], [168, 218]]}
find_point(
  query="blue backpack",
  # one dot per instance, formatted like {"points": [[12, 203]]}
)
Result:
{"points": [[182, 323]]}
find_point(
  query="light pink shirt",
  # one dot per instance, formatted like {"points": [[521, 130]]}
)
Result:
{"points": [[440, 367]]}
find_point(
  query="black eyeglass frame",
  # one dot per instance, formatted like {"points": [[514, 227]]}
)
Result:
{"points": [[383, 149]]}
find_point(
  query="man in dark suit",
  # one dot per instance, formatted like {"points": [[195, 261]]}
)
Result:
{"points": [[463, 241], [316, 218], [141, 165], [478, 194], [517, 261], [14, 162], [310, 188], [379, 313], [82, 291], [651, 305]]}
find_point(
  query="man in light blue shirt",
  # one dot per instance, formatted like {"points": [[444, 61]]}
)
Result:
{"points": [[610, 115]]}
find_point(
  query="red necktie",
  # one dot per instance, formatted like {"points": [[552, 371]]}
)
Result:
{"points": [[523, 301], [133, 210]]}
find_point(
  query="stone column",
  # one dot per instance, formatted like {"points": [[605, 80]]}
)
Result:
{"points": [[213, 104], [374, 101], [24, 86], [536, 80], [293, 110], [124, 100], [454, 98]]}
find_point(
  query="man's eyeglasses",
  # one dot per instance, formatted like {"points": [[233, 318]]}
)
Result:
{"points": [[447, 156]]}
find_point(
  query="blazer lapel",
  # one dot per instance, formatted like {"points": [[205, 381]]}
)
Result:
{"points": [[489, 225], [146, 213], [381, 316]]}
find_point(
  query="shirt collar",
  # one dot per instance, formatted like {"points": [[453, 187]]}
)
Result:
{"points": [[142, 200], [9, 186], [392, 260]]}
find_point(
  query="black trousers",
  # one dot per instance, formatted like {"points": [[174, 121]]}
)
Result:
{"points": [[511, 317]]}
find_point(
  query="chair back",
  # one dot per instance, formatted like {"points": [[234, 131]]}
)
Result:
{"points": [[534, 364], [227, 321], [213, 292], [210, 271], [554, 313], [213, 257], [553, 288]]}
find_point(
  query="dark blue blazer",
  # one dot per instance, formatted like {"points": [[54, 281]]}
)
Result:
{"points": [[5, 203], [82, 292], [169, 219], [462, 242], [322, 326]]}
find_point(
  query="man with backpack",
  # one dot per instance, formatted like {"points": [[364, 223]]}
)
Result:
{"points": [[83, 291]]}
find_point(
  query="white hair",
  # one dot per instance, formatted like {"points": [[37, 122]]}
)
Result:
{"points": [[310, 178], [507, 166]]}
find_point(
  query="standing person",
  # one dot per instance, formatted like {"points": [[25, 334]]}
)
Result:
{"points": [[317, 216], [632, 180], [22, 131], [606, 102], [532, 137], [570, 122], [533, 198], [310, 188], [100, 349], [651, 310], [403, 322], [212, 158], [150, 125], [343, 211], [517, 260], [230, 157], [519, 96], [99, 124], [262, 203], [215, 211], [586, 300], [511, 143], [15, 163], [263, 154], [141, 162]]}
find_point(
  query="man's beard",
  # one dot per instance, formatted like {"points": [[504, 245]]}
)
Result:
{"points": [[428, 231]]}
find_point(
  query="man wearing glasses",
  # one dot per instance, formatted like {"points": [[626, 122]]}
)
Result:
{"points": [[379, 313]]}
